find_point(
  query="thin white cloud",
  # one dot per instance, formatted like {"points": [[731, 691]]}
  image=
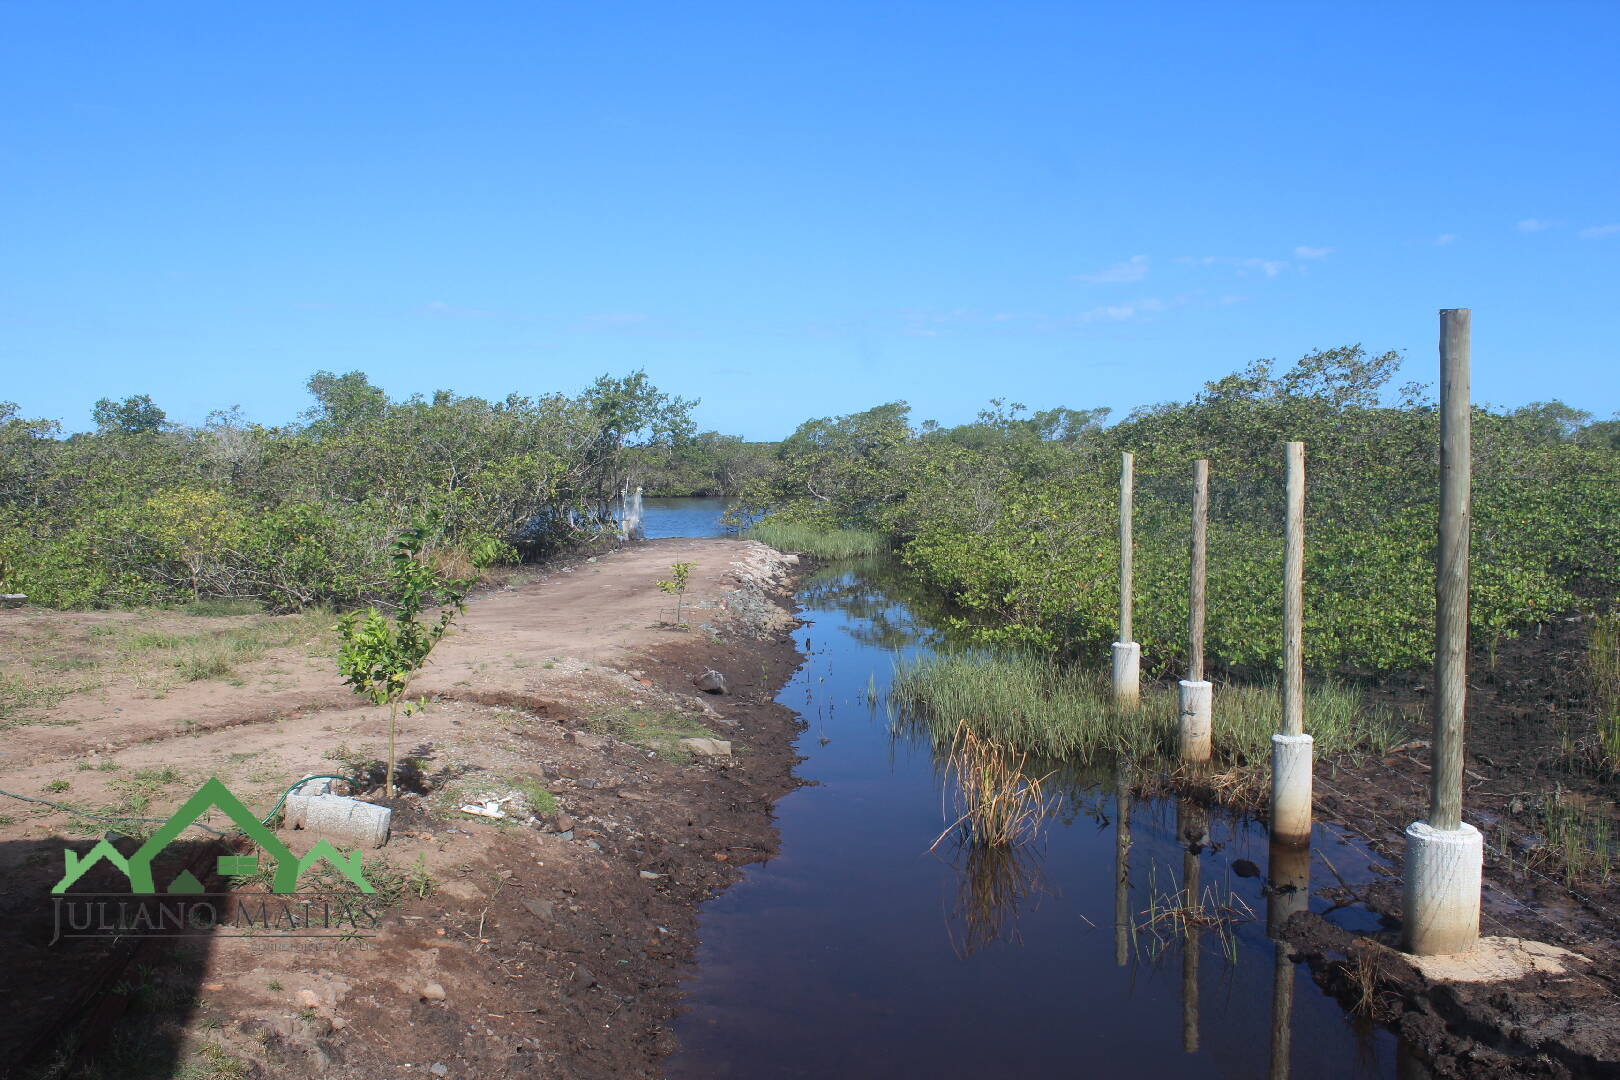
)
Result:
{"points": [[1597, 232], [1304, 252], [934, 323], [1132, 269], [1148, 305], [1445, 238], [1534, 225], [1269, 267]]}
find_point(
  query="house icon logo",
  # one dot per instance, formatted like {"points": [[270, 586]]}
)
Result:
{"points": [[213, 795]]}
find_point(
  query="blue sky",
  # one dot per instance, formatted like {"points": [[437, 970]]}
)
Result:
{"points": [[798, 210]]}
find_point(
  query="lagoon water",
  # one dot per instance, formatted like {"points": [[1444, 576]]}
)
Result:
{"points": [[858, 952]]}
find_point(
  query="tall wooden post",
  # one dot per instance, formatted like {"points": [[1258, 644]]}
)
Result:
{"points": [[1127, 653], [1291, 748], [1445, 855], [1196, 693], [1198, 571], [1294, 597]]}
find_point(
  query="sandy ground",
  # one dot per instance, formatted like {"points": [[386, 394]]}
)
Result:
{"points": [[546, 944]]}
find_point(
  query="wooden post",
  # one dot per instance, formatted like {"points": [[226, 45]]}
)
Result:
{"points": [[1291, 748], [1451, 579], [1294, 597], [1445, 855], [1127, 494], [1127, 653], [1198, 576], [1196, 692]]}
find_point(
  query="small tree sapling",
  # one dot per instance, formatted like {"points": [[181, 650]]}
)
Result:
{"points": [[379, 657]]}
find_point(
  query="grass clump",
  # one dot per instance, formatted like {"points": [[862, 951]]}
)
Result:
{"points": [[197, 657], [20, 696], [140, 787], [1579, 838], [519, 796], [1603, 658], [999, 802], [810, 540], [660, 732], [1067, 712], [542, 803]]}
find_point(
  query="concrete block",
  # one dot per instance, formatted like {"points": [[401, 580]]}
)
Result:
{"points": [[708, 747], [346, 822]]}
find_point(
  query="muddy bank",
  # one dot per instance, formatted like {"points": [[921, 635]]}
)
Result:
{"points": [[548, 943]]}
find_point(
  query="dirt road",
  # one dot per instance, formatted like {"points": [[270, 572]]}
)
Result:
{"points": [[546, 943]]}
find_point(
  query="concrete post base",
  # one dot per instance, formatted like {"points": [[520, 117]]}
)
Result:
{"points": [[1127, 674], [1196, 699], [1291, 788], [1440, 902]]}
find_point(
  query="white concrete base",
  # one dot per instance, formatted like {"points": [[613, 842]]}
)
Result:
{"points": [[1291, 788], [1127, 674], [1440, 902], [1196, 700]]}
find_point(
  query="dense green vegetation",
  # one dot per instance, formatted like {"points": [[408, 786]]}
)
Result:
{"points": [[1011, 518], [142, 511], [1015, 516]]}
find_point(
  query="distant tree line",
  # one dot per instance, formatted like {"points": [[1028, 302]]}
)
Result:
{"points": [[1014, 516], [143, 510]]}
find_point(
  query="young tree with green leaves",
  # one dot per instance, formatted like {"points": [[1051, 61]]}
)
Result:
{"points": [[379, 656], [681, 574]]}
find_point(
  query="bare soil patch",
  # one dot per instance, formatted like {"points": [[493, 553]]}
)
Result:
{"points": [[548, 943]]}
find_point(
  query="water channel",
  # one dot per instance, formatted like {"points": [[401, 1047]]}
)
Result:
{"points": [[858, 952]]}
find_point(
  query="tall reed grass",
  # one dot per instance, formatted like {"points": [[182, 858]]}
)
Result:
{"points": [[1000, 803], [1603, 656], [807, 539], [1067, 712]]}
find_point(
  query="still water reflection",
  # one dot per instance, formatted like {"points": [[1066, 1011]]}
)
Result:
{"points": [[858, 952]]}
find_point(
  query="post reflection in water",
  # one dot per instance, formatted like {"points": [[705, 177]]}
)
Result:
{"points": [[1122, 863], [1288, 890], [1192, 833]]}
